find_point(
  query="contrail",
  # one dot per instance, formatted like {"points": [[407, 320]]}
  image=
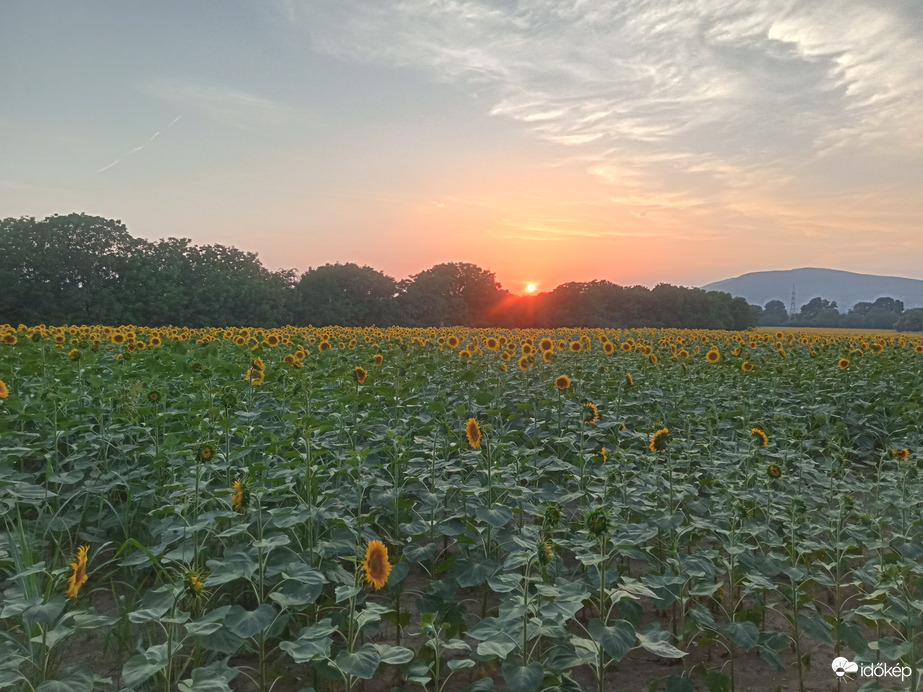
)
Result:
{"points": [[139, 148]]}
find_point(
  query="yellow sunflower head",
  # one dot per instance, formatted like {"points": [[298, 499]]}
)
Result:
{"points": [[659, 440], [843, 363], [78, 575], [763, 439], [473, 431], [592, 415], [359, 374], [375, 564], [713, 356], [563, 381]]}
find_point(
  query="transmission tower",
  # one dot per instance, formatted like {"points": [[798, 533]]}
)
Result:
{"points": [[791, 309]]}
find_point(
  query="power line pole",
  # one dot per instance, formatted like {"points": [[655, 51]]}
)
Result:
{"points": [[791, 309]]}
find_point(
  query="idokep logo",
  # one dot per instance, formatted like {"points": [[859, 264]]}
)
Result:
{"points": [[841, 666]]}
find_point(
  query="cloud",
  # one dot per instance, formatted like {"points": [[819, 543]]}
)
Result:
{"points": [[701, 104], [238, 109]]}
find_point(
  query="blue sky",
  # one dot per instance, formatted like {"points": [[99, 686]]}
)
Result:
{"points": [[545, 140]]}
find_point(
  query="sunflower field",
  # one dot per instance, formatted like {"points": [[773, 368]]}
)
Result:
{"points": [[454, 509]]}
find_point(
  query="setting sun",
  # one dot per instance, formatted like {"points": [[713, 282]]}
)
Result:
{"points": [[530, 288]]}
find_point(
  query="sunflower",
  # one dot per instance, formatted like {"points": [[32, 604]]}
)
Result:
{"points": [[546, 344], [255, 377], [153, 396], [376, 565], [608, 347], [464, 353], [597, 522], [323, 346], [545, 552], [258, 364], [4, 392], [626, 346], [774, 471], [653, 359], [237, 501], [604, 455], [524, 363], [659, 440], [452, 341], [562, 382], [240, 340], [713, 356], [74, 354], [378, 359], [592, 415], [359, 374], [547, 356], [747, 366], [576, 347], [117, 338], [78, 575], [629, 380], [761, 435], [684, 354], [9, 339], [473, 431], [843, 363], [194, 580], [206, 452], [900, 454]]}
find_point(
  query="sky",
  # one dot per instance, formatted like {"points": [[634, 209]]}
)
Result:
{"points": [[638, 141]]}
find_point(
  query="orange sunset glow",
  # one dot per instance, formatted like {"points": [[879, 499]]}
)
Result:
{"points": [[546, 146]]}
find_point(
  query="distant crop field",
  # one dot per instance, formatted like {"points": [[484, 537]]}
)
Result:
{"points": [[459, 509], [822, 331]]}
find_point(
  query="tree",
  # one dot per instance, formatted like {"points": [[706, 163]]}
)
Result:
{"points": [[819, 312], [453, 293], [910, 321], [345, 294], [774, 314]]}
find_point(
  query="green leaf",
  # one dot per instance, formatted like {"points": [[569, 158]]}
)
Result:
{"points": [[493, 648], [482, 685], [657, 642], [362, 664], [743, 634], [394, 655], [248, 623], [207, 624], [522, 678], [77, 679], [313, 642], [816, 627], [211, 678], [498, 516], [346, 592], [139, 668], [616, 640]]}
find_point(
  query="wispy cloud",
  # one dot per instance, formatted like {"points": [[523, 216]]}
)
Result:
{"points": [[238, 109], [135, 150], [700, 104]]}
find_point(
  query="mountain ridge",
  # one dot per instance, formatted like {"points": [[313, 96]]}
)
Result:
{"points": [[845, 287]]}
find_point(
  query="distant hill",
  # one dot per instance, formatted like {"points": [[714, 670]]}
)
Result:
{"points": [[846, 288]]}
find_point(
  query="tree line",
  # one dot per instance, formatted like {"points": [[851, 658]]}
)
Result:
{"points": [[81, 269], [883, 313]]}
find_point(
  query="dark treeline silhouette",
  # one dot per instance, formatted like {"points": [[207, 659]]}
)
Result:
{"points": [[80, 269], [883, 313]]}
